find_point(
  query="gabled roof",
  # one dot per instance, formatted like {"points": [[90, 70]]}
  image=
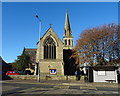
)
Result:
{"points": [[31, 52], [2, 62], [50, 31], [30, 49]]}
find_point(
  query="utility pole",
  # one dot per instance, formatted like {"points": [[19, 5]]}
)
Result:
{"points": [[40, 24]]}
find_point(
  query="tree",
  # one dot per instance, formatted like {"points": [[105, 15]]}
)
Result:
{"points": [[98, 45], [22, 62]]}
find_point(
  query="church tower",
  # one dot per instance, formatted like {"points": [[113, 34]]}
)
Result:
{"points": [[67, 37]]}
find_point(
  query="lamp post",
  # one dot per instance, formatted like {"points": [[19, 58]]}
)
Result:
{"points": [[49, 69], [40, 24]]}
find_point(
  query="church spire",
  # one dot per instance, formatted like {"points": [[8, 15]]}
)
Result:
{"points": [[67, 37], [67, 29]]}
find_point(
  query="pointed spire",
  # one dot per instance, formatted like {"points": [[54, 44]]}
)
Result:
{"points": [[67, 29], [67, 37]]}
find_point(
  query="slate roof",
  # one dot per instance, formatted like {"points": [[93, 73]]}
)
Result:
{"points": [[32, 53], [106, 68], [3, 63], [5, 66]]}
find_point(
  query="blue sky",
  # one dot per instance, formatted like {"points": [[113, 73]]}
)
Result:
{"points": [[20, 26]]}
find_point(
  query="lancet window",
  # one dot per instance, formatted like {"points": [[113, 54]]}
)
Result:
{"points": [[49, 48]]}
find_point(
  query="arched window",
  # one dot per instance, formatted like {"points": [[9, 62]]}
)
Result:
{"points": [[65, 42], [69, 42], [49, 48], [65, 32]]}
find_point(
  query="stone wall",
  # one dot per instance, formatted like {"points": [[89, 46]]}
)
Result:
{"points": [[47, 77], [24, 77], [47, 64]]}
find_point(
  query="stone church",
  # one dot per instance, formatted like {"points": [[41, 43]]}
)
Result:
{"points": [[53, 54]]}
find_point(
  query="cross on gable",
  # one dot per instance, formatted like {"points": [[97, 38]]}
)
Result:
{"points": [[50, 25]]}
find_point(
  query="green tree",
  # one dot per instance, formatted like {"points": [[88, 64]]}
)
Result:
{"points": [[22, 62]]}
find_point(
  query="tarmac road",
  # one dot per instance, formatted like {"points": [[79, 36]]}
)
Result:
{"points": [[28, 87]]}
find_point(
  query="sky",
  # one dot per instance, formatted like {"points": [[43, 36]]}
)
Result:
{"points": [[20, 27]]}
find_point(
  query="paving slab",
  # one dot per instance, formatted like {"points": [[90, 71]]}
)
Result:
{"points": [[61, 87], [88, 88], [74, 87]]}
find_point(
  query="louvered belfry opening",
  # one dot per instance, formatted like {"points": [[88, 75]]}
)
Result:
{"points": [[49, 48]]}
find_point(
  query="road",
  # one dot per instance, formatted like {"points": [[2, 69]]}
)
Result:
{"points": [[21, 88]]}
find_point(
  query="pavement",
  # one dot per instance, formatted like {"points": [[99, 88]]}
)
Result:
{"points": [[64, 82], [57, 87]]}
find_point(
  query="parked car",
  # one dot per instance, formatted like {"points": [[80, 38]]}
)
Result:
{"points": [[12, 73]]}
